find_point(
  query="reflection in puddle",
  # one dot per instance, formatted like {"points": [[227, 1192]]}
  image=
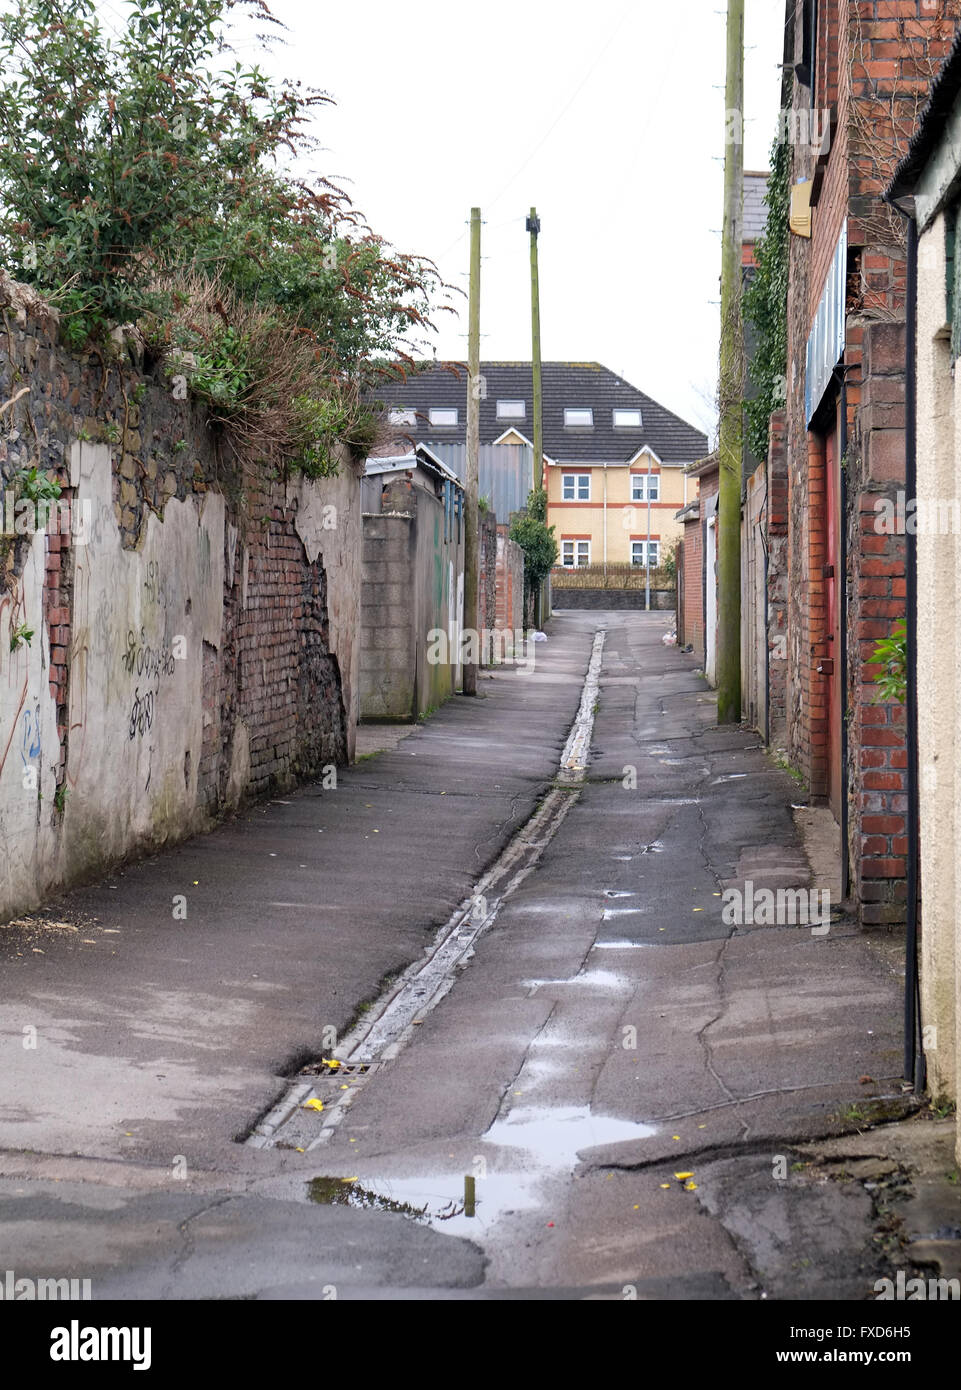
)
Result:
{"points": [[436, 1201], [620, 945], [346, 1192], [557, 1137]]}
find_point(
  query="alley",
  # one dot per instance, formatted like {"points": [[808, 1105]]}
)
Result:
{"points": [[602, 1030]]}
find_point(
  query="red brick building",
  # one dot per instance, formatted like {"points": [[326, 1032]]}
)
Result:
{"points": [[857, 73]]}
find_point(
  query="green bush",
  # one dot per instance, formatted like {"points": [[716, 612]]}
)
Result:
{"points": [[891, 654], [133, 167]]}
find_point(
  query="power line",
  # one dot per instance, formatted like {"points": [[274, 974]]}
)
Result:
{"points": [[543, 141]]}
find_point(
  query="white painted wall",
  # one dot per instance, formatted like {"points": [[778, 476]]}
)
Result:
{"points": [[140, 621], [939, 674]]}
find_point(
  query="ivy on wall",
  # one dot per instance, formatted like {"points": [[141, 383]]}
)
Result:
{"points": [[765, 305]]}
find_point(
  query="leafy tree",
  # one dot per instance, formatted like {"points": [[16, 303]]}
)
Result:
{"points": [[538, 543], [137, 171]]}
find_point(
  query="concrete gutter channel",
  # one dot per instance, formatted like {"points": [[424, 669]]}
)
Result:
{"points": [[841, 1185], [389, 1026], [880, 1188]]}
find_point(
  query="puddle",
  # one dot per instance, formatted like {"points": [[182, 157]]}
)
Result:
{"points": [[436, 1201], [611, 894], [345, 1192], [557, 1137], [602, 979], [612, 913], [620, 945]]}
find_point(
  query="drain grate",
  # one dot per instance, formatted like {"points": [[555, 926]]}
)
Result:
{"points": [[342, 1069]]}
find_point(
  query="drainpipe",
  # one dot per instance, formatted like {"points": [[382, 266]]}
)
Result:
{"points": [[605, 521], [647, 548], [761, 522], [914, 1069]]}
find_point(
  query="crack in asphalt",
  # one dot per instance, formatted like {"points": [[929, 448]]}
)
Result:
{"points": [[188, 1244]]}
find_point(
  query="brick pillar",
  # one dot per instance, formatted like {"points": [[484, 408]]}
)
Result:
{"points": [[815, 687], [777, 575], [877, 748]]}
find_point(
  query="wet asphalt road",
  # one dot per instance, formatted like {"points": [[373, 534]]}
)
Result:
{"points": [[610, 1031]]}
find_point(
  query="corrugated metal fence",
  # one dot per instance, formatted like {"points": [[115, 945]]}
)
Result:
{"points": [[505, 473]]}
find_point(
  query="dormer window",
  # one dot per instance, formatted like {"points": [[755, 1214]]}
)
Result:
{"points": [[627, 419], [403, 417], [511, 410], [578, 418], [443, 419]]}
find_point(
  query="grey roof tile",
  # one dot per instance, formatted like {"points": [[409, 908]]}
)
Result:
{"points": [[565, 384]]}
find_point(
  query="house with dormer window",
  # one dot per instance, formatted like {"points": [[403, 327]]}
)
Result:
{"points": [[614, 459]]}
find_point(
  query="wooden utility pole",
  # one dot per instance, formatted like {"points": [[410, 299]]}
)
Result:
{"points": [[471, 536], [534, 227], [731, 386]]}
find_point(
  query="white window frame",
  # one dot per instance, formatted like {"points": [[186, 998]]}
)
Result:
{"points": [[635, 423], [576, 480], [506, 412], [639, 487], [580, 554], [444, 424], [654, 547], [400, 416], [570, 424]]}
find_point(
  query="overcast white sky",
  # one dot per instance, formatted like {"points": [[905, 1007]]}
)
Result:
{"points": [[608, 116]]}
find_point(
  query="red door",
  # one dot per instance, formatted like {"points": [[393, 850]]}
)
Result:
{"points": [[833, 590]]}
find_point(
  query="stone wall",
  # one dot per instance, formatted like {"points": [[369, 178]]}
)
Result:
{"points": [[191, 627]]}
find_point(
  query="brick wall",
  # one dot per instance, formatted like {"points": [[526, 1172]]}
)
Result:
{"points": [[692, 558], [182, 655], [487, 590], [875, 63], [509, 606], [877, 757], [777, 575]]}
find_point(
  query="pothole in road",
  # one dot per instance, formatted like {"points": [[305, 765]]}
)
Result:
{"points": [[551, 1141]]}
